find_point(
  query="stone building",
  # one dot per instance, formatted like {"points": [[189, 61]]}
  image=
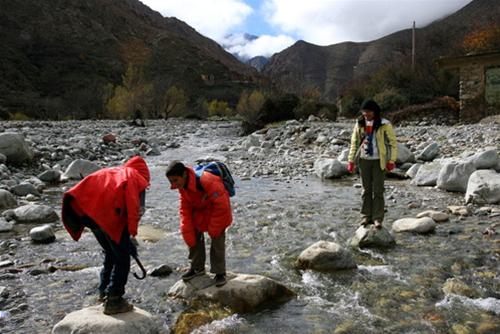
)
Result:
{"points": [[479, 84]]}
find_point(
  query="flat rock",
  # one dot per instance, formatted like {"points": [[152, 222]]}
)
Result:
{"points": [[92, 320], [415, 225], [370, 236], [437, 216], [326, 256]]}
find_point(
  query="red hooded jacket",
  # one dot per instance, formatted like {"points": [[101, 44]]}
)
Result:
{"points": [[207, 210], [110, 197]]}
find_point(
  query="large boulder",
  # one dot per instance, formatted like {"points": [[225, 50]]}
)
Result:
{"points": [[42, 234], [15, 148], [454, 176], [92, 320], [429, 153], [326, 256], [485, 159], [327, 168], [416, 225], [34, 213], [80, 168], [404, 154], [483, 187], [242, 293], [427, 175], [7, 200], [370, 236]]}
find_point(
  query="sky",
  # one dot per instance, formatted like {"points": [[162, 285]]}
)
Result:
{"points": [[280, 23]]}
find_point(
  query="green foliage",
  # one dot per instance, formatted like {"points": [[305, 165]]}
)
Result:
{"points": [[218, 108], [390, 99], [279, 108], [19, 116]]}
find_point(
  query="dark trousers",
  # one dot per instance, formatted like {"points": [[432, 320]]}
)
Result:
{"points": [[197, 255], [372, 178], [114, 274]]}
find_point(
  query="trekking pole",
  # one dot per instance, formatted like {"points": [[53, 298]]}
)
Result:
{"points": [[140, 266]]}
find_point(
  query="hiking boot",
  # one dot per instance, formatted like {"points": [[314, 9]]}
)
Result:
{"points": [[377, 223], [220, 280], [366, 222], [116, 304], [192, 273]]}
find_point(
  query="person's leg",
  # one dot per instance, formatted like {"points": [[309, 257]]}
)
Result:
{"points": [[121, 264], [218, 254], [378, 192], [197, 255], [367, 196]]}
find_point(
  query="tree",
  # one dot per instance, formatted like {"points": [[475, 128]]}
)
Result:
{"points": [[174, 102], [486, 38]]}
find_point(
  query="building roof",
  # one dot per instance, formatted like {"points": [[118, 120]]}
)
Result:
{"points": [[484, 58]]}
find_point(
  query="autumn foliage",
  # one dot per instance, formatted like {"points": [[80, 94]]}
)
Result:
{"points": [[483, 39]]}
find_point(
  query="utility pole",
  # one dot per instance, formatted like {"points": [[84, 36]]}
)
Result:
{"points": [[413, 48]]}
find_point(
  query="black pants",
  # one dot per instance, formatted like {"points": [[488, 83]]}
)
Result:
{"points": [[114, 274]]}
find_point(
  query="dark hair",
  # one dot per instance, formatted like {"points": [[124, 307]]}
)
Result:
{"points": [[369, 104], [175, 168]]}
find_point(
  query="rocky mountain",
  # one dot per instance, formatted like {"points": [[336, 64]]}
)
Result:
{"points": [[331, 68], [258, 62], [63, 55]]}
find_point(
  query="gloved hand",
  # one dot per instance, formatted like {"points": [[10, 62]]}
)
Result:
{"points": [[390, 165], [350, 167]]}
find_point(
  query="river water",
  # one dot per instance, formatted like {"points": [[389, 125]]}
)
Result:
{"points": [[393, 291]]}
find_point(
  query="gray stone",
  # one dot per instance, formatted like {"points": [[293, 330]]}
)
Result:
{"points": [[413, 170], [5, 226], [404, 154], [370, 236], [92, 320], [454, 176], [486, 159], [78, 169], [427, 175], [327, 168], [7, 200], [343, 155], [430, 152], [3, 158], [33, 213], [42, 234], [326, 256], [242, 293], [15, 148], [437, 216], [416, 225], [483, 187], [24, 189], [50, 176], [160, 271]]}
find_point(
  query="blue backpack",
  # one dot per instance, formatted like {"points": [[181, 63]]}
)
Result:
{"points": [[217, 168]]}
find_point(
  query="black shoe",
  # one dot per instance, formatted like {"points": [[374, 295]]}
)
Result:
{"points": [[192, 274], [102, 297], [116, 304], [220, 280]]}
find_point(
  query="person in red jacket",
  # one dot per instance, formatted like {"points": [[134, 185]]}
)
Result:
{"points": [[110, 203], [204, 207]]}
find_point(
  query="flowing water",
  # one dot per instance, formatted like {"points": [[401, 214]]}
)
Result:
{"points": [[393, 291]]}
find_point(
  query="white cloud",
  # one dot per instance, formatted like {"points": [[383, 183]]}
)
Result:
{"points": [[264, 45], [212, 18], [326, 22]]}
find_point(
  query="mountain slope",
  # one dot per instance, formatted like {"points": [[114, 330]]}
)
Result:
{"points": [[331, 68], [59, 56]]}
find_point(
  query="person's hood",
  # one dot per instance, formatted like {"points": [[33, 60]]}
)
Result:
{"points": [[139, 165]]}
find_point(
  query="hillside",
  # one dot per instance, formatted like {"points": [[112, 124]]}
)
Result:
{"points": [[60, 57], [332, 68]]}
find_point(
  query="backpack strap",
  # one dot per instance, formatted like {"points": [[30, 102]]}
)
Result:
{"points": [[198, 174]]}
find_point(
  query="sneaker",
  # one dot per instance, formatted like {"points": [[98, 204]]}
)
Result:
{"points": [[377, 223], [220, 280], [192, 274], [116, 304]]}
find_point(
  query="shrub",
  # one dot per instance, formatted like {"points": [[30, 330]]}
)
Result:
{"points": [[390, 99], [218, 108]]}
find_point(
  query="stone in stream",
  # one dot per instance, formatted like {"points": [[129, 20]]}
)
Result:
{"points": [[33, 213], [326, 256], [327, 168], [92, 320], [161, 271], [25, 188], [15, 148], [42, 234], [7, 200], [483, 187], [454, 176], [416, 225], [78, 169], [242, 293], [427, 174], [437, 216], [370, 236], [5, 226], [50, 176], [487, 159]]}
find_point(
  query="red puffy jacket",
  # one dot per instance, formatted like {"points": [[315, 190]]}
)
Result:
{"points": [[110, 197], [207, 210]]}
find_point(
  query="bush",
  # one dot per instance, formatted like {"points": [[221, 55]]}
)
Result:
{"points": [[218, 108], [19, 116], [390, 99]]}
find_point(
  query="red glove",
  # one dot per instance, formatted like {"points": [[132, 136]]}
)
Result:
{"points": [[350, 167], [390, 165]]}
